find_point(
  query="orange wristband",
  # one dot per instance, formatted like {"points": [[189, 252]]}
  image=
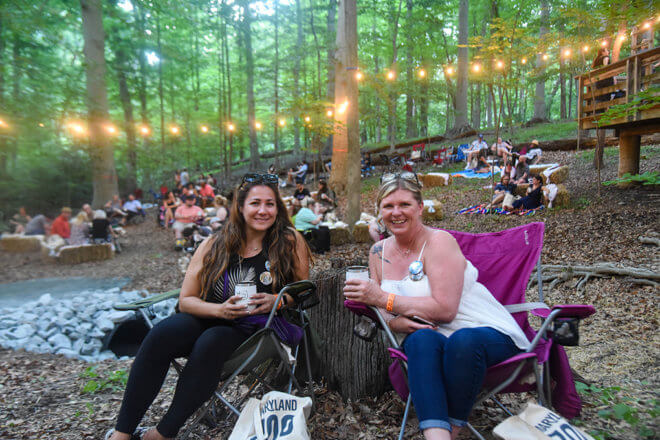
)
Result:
{"points": [[390, 302]]}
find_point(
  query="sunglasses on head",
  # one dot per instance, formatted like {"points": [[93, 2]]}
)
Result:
{"points": [[406, 175], [268, 179]]}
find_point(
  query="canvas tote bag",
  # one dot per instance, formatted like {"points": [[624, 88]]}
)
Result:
{"points": [[277, 416], [538, 423]]}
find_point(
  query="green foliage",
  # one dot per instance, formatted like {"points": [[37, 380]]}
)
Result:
{"points": [[116, 381], [647, 178], [643, 100]]}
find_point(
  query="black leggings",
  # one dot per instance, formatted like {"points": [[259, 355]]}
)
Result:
{"points": [[207, 343]]}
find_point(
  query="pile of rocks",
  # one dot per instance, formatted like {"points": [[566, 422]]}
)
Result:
{"points": [[76, 327]]}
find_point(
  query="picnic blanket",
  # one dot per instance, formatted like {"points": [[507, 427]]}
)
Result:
{"points": [[471, 174], [481, 209]]}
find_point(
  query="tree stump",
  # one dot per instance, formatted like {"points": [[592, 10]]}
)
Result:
{"points": [[350, 366]]}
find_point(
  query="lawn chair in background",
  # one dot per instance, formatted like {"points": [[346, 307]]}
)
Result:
{"points": [[262, 361], [460, 153], [440, 156], [418, 153], [505, 261]]}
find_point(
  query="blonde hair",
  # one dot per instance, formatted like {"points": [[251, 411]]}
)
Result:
{"points": [[80, 218]]}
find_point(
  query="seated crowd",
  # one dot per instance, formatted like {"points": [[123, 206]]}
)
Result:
{"points": [[480, 156]]}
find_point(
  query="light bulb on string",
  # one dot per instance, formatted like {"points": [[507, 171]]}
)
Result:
{"points": [[110, 129], [329, 113], [585, 49], [342, 107], [476, 67], [2, 123], [524, 61], [449, 70], [544, 57], [307, 119], [422, 73], [282, 122], [41, 124], [567, 53], [359, 76], [391, 75], [204, 129], [499, 65], [231, 127], [257, 125], [603, 43], [174, 130], [646, 26], [144, 130]]}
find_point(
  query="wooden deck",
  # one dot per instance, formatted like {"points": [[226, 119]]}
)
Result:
{"points": [[631, 75]]}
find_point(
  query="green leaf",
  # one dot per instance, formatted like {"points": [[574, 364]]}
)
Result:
{"points": [[621, 410], [91, 387], [581, 387]]}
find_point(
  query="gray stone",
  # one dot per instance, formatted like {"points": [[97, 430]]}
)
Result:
{"points": [[60, 341], [118, 316], [28, 317], [22, 332], [45, 347], [65, 314], [77, 345], [84, 328], [107, 354], [91, 347], [67, 352], [45, 299], [48, 333], [104, 324], [96, 333]]}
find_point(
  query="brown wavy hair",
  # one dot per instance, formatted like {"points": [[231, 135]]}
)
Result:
{"points": [[280, 242]]}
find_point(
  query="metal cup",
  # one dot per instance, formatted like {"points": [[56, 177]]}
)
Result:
{"points": [[246, 290], [357, 272]]}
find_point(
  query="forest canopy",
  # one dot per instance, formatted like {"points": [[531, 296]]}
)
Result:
{"points": [[180, 75]]}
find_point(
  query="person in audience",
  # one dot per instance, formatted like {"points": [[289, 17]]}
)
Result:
{"points": [[206, 193], [306, 218], [602, 59], [421, 272], [79, 230], [482, 165], [378, 231], [87, 209], [365, 164], [177, 178], [301, 174], [185, 216], [325, 195], [132, 207], [221, 208], [502, 189], [61, 224], [170, 204], [501, 149], [271, 169], [101, 231], [533, 152], [522, 171], [258, 245], [184, 177], [115, 213], [509, 169], [20, 220], [301, 192], [38, 225], [476, 146], [532, 200]]}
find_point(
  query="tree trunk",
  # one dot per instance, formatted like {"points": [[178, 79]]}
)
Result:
{"points": [[276, 138], [476, 108], [129, 123], [3, 140], [346, 143], [600, 148], [296, 76], [461, 115], [226, 14], [103, 163], [379, 132], [160, 85], [393, 95], [249, 80], [540, 111], [410, 122], [562, 90], [331, 49], [317, 46]]}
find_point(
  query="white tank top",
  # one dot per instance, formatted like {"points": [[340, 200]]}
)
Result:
{"points": [[477, 308]]}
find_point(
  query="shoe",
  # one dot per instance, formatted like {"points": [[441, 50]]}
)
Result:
{"points": [[137, 435]]}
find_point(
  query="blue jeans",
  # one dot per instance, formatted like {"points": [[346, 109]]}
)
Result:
{"points": [[445, 374]]}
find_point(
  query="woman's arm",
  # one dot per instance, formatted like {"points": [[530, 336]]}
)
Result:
{"points": [[190, 300]]}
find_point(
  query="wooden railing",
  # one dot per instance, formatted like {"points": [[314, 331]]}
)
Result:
{"points": [[631, 75]]}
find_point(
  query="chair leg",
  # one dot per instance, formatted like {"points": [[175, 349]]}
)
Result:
{"points": [[405, 417], [475, 432]]}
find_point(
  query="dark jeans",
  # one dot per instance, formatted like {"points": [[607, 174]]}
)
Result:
{"points": [[445, 374], [207, 343]]}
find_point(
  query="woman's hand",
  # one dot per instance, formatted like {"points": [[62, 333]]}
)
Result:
{"points": [[263, 302], [402, 324], [364, 291], [231, 310]]}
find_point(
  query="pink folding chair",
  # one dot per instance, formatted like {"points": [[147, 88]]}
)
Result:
{"points": [[505, 261]]}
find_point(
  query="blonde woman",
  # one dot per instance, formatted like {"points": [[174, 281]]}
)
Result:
{"points": [[79, 230]]}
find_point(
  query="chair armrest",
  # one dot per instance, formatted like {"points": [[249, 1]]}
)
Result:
{"points": [[579, 311], [303, 293], [148, 301]]}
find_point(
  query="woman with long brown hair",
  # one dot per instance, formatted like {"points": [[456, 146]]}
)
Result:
{"points": [[257, 245]]}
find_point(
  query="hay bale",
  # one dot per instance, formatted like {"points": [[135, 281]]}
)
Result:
{"points": [[539, 168], [339, 236], [563, 198], [557, 176], [361, 232], [435, 179], [84, 253], [21, 243], [432, 210], [521, 189]]}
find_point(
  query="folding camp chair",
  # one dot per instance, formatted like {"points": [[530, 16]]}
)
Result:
{"points": [[261, 358], [505, 260], [440, 156], [460, 153], [418, 152]]}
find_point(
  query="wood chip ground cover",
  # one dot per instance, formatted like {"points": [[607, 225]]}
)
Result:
{"points": [[41, 395]]}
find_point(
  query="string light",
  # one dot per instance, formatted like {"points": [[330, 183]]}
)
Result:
{"points": [[603, 43], [76, 128], [2, 123], [204, 129], [110, 129], [585, 49], [41, 124], [329, 113], [342, 107], [524, 61], [257, 125], [449, 70], [144, 130], [359, 76], [391, 75], [307, 119], [646, 25], [282, 122], [567, 53], [231, 127], [499, 65], [545, 57], [422, 73], [621, 38], [174, 129], [476, 67]]}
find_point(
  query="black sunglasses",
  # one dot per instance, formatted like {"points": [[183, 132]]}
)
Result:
{"points": [[268, 179], [406, 175]]}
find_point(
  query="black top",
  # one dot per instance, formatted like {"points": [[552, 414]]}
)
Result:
{"points": [[534, 199], [509, 187], [100, 228], [301, 194], [248, 269]]}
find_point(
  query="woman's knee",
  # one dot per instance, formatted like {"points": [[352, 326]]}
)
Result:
{"points": [[464, 344], [173, 333], [421, 341], [218, 343]]}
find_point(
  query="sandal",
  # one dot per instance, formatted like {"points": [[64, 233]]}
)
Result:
{"points": [[137, 435]]}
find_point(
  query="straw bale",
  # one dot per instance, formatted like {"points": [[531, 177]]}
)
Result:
{"points": [[563, 198], [83, 253], [560, 175], [432, 214], [361, 232], [435, 179], [339, 236], [521, 189], [21, 243]]}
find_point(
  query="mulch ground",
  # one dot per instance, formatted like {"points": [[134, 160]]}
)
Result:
{"points": [[41, 396]]}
